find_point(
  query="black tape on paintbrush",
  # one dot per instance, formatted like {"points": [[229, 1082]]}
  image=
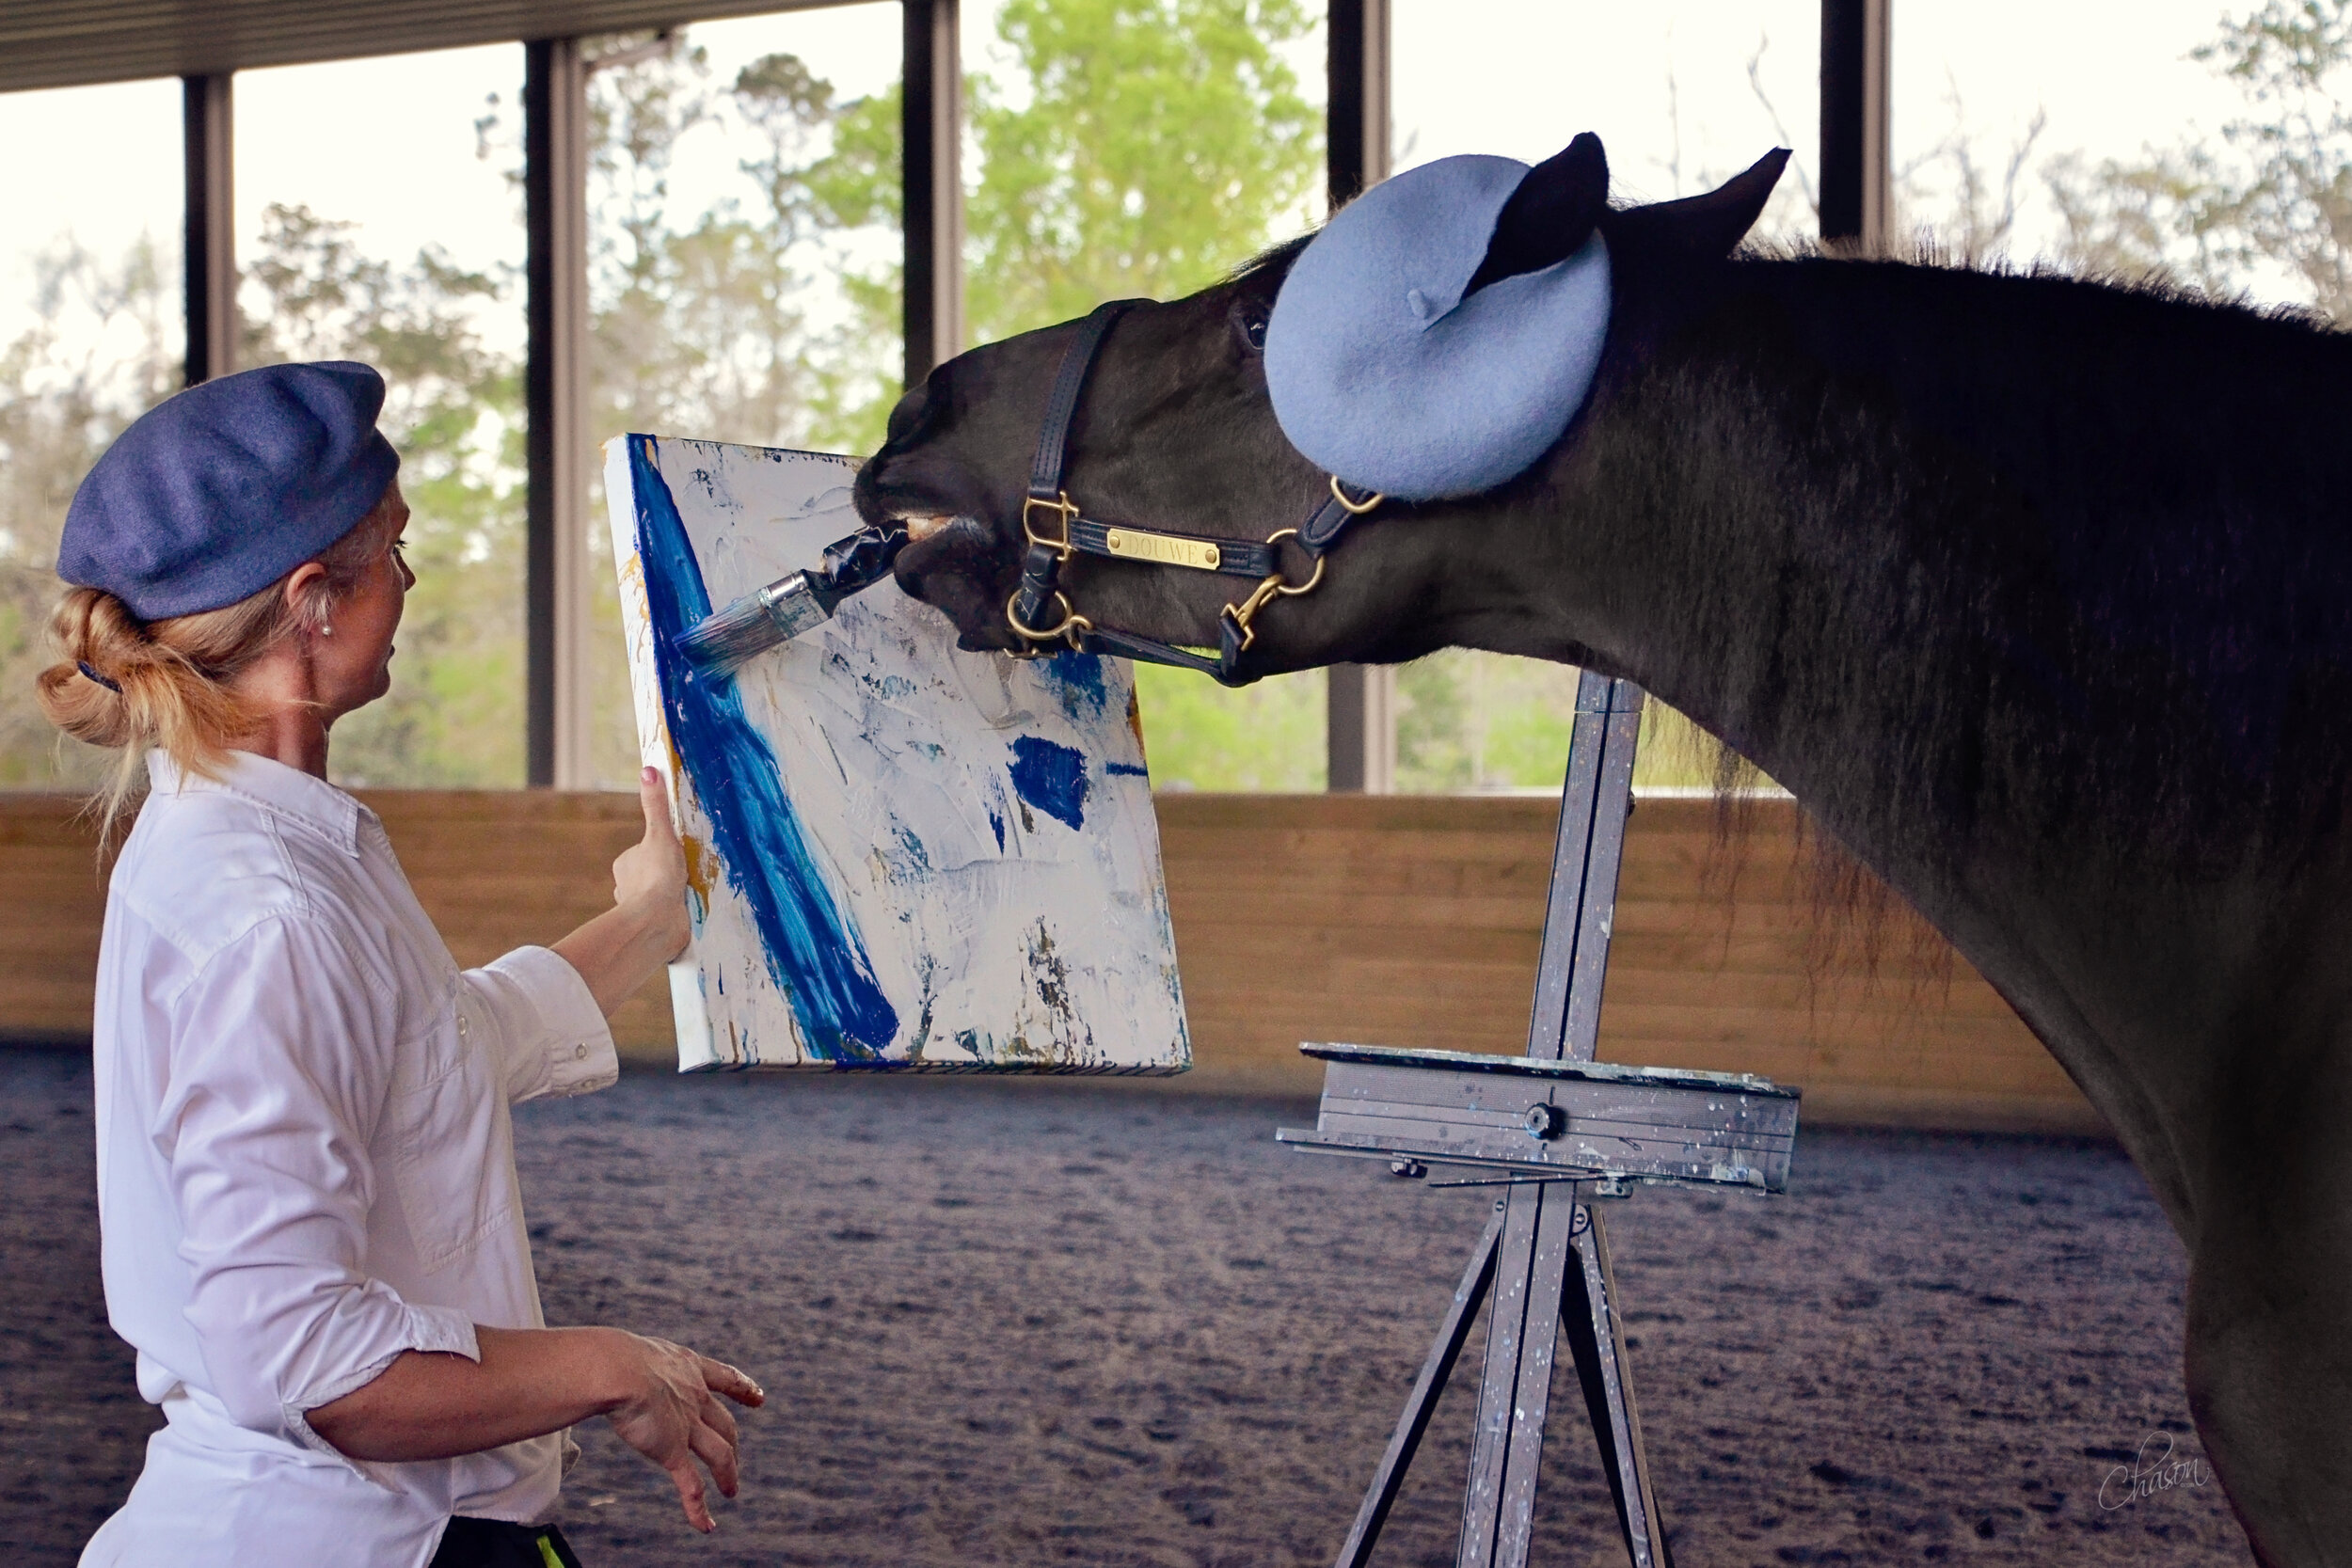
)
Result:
{"points": [[789, 606]]}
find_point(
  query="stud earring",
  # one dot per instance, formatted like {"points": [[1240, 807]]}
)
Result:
{"points": [[325, 630]]}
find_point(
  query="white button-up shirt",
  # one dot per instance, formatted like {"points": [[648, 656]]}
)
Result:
{"points": [[305, 1167]]}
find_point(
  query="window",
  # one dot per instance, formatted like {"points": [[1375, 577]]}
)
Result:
{"points": [[743, 258], [1146, 147], [378, 219], [2123, 147], [1682, 97], [90, 338]]}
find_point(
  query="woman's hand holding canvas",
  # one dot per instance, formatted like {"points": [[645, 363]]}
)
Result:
{"points": [[647, 927]]}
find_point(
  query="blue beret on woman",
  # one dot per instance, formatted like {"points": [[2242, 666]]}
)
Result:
{"points": [[215, 493]]}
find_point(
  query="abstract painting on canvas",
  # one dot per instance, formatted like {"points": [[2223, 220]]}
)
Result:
{"points": [[901, 854]]}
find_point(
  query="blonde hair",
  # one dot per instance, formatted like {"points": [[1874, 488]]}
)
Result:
{"points": [[129, 685]]}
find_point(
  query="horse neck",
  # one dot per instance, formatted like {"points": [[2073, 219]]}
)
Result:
{"points": [[1906, 537]]}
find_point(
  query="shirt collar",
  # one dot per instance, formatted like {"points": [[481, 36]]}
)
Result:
{"points": [[284, 791]]}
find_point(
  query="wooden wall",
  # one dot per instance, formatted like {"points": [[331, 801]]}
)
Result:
{"points": [[1393, 919]]}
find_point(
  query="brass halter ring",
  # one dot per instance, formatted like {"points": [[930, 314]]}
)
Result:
{"points": [[1273, 586], [1072, 629]]}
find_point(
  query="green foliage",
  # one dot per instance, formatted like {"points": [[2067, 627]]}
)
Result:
{"points": [[1267, 737], [1159, 142], [1476, 721], [99, 353], [453, 409], [697, 323], [1468, 720], [1140, 148]]}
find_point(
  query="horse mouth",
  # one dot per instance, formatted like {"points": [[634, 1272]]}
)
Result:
{"points": [[924, 525]]}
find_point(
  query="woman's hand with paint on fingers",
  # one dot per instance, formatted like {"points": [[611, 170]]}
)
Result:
{"points": [[674, 1416], [647, 926]]}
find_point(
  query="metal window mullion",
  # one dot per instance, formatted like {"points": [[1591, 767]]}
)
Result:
{"points": [[1857, 169], [555, 590], [930, 168], [1360, 719], [208, 253]]}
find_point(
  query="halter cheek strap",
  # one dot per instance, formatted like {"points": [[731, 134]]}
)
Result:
{"points": [[1041, 613]]}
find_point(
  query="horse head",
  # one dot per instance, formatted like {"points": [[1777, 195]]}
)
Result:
{"points": [[1176, 435]]}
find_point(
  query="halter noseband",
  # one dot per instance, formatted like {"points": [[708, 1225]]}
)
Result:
{"points": [[1041, 568]]}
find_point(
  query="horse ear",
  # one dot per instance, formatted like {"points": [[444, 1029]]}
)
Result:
{"points": [[1549, 216], [1706, 226]]}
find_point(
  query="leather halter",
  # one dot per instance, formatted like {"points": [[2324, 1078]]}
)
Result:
{"points": [[1041, 568]]}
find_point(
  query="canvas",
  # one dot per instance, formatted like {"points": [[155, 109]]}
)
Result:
{"points": [[901, 854]]}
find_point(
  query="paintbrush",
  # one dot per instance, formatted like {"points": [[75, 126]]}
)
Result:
{"points": [[771, 616]]}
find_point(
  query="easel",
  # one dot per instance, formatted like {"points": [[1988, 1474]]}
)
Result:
{"points": [[1544, 1260]]}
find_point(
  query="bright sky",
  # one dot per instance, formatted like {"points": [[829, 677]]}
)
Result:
{"points": [[390, 143]]}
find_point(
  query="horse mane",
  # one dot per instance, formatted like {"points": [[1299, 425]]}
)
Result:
{"points": [[2051, 554], [1277, 257]]}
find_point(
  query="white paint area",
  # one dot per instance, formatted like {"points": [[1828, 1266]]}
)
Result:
{"points": [[1004, 936]]}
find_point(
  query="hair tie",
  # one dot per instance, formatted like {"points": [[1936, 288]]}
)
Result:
{"points": [[82, 665]]}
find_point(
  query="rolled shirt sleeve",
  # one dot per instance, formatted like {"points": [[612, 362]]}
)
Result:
{"points": [[284, 1060], [540, 1023]]}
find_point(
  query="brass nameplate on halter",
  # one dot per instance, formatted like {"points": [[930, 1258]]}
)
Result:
{"points": [[1167, 549]]}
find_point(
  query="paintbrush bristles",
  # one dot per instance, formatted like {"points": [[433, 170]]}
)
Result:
{"points": [[751, 626]]}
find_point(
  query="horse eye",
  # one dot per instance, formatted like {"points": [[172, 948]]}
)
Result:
{"points": [[1253, 328]]}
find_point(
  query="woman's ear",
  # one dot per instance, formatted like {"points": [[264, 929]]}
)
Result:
{"points": [[308, 596]]}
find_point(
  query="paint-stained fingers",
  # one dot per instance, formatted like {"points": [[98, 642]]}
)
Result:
{"points": [[689, 1482], [719, 1378], [717, 1453]]}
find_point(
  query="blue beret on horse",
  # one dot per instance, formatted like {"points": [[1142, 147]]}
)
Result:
{"points": [[1405, 354]]}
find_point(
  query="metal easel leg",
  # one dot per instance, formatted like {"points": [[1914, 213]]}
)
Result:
{"points": [[1513, 1398], [1477, 1280], [1596, 1340]]}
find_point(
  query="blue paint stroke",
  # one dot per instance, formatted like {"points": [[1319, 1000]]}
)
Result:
{"points": [[1052, 778], [1077, 680], [997, 822], [1127, 770], [814, 954]]}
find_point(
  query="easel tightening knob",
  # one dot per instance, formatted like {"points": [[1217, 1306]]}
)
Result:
{"points": [[1544, 1120]]}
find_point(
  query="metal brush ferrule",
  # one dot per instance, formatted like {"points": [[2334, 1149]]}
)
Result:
{"points": [[792, 604]]}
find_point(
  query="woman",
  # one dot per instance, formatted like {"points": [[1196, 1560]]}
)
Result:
{"points": [[311, 1228]]}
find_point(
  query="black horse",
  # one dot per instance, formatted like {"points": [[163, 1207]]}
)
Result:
{"points": [[2036, 591]]}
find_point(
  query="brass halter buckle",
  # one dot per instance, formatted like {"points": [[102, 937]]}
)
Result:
{"points": [[1073, 626], [1274, 587], [1065, 507]]}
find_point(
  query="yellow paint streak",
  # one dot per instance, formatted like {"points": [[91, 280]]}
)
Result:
{"points": [[1135, 720], [701, 867]]}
